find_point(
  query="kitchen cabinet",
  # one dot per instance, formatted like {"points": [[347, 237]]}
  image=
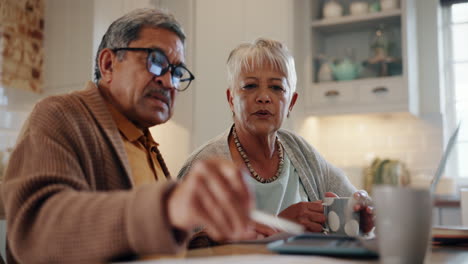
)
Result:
{"points": [[385, 83]]}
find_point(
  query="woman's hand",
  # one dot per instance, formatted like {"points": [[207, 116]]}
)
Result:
{"points": [[365, 207], [259, 231], [308, 214], [263, 231]]}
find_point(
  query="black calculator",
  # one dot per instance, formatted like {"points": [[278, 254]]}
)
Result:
{"points": [[321, 244]]}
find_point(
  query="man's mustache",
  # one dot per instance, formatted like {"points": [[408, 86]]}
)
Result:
{"points": [[165, 93]]}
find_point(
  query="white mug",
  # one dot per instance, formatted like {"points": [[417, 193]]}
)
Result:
{"points": [[340, 216], [403, 223]]}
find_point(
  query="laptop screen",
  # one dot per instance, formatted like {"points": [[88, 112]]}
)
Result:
{"points": [[444, 158]]}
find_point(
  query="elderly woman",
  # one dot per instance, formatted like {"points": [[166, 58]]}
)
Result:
{"points": [[289, 177]]}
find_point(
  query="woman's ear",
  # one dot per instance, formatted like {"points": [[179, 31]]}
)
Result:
{"points": [[293, 102], [106, 61], [229, 99]]}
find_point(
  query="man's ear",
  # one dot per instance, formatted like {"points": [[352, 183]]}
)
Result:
{"points": [[106, 62]]}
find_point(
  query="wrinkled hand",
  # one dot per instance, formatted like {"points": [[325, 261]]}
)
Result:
{"points": [[213, 195], [262, 231], [365, 207], [308, 214]]}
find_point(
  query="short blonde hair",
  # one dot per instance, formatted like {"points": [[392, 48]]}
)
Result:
{"points": [[263, 51]]}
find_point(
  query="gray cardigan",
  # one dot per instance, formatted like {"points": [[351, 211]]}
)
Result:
{"points": [[317, 175]]}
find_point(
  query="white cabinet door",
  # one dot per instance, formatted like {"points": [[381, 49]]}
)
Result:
{"points": [[333, 94], [358, 96], [387, 91]]}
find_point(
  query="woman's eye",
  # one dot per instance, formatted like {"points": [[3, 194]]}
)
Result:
{"points": [[249, 86], [277, 88]]}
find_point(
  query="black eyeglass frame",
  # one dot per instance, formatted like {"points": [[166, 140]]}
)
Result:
{"points": [[170, 67]]}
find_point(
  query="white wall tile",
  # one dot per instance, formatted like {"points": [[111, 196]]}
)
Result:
{"points": [[351, 142]]}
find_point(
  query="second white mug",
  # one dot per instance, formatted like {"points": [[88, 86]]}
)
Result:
{"points": [[403, 223]]}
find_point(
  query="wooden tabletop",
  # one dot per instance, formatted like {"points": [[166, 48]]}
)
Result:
{"points": [[438, 254]]}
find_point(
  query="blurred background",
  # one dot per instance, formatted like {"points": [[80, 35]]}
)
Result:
{"points": [[383, 79]]}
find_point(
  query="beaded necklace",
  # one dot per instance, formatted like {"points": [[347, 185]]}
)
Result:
{"points": [[249, 166]]}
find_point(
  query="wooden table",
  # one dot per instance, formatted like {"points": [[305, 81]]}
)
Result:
{"points": [[439, 254]]}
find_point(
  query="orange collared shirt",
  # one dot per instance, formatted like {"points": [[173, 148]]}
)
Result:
{"points": [[142, 150]]}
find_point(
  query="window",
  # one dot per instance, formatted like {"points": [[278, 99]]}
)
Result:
{"points": [[455, 32]]}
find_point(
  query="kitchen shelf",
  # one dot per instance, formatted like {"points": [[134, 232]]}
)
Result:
{"points": [[330, 40], [350, 22]]}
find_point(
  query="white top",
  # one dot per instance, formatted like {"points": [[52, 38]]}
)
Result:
{"points": [[278, 195]]}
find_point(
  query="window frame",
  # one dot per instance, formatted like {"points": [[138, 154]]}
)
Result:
{"points": [[450, 112]]}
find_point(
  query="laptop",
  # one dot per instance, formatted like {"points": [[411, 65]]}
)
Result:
{"points": [[443, 160], [344, 246]]}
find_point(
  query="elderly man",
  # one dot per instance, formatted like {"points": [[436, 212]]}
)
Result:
{"points": [[86, 182]]}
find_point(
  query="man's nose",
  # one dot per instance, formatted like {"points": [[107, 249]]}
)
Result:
{"points": [[165, 80]]}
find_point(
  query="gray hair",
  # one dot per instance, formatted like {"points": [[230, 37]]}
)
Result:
{"points": [[263, 51], [127, 28]]}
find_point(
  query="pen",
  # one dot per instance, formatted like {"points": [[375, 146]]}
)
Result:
{"points": [[276, 222]]}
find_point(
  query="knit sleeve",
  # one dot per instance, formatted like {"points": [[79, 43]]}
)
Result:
{"points": [[55, 212], [337, 182], [332, 178], [318, 175]]}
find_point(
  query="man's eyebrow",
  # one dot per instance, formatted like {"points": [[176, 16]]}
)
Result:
{"points": [[178, 63]]}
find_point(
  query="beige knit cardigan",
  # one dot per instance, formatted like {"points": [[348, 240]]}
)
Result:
{"points": [[68, 189]]}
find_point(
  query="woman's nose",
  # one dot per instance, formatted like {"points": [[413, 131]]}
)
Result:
{"points": [[263, 98]]}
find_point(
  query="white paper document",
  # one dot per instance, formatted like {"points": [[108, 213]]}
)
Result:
{"points": [[266, 240]]}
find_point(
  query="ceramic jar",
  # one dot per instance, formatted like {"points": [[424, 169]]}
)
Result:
{"points": [[389, 4], [358, 8], [332, 9], [346, 70], [325, 73]]}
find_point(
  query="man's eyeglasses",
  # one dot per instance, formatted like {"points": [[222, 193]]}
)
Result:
{"points": [[158, 64]]}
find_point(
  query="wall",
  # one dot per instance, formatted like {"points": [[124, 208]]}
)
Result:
{"points": [[22, 27], [351, 142]]}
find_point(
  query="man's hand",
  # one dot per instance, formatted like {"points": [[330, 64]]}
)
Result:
{"points": [[365, 207], [213, 195], [308, 214]]}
